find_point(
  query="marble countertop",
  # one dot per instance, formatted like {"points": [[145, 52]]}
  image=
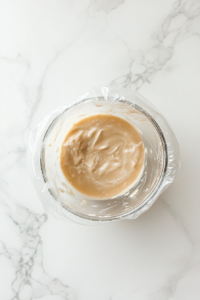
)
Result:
{"points": [[52, 51]]}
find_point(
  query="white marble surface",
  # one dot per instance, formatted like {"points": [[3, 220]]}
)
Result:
{"points": [[51, 51]]}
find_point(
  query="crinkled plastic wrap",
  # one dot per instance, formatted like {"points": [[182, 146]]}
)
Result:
{"points": [[162, 159]]}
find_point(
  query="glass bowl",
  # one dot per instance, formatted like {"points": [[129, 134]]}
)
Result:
{"points": [[153, 172], [160, 167]]}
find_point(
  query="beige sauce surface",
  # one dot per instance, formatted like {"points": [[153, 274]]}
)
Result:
{"points": [[102, 156]]}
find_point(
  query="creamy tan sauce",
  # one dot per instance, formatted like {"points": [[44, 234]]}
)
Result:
{"points": [[102, 156]]}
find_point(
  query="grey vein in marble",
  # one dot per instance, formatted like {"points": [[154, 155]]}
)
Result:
{"points": [[104, 5], [150, 60], [191, 261], [28, 262]]}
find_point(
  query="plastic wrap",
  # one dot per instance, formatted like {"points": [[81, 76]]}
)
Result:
{"points": [[162, 158]]}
